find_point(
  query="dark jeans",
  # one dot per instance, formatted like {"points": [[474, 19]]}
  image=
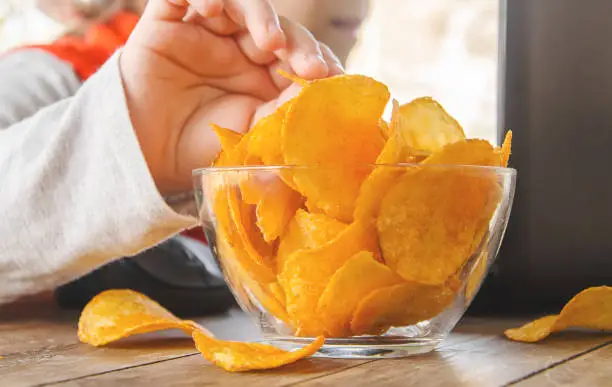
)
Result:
{"points": [[169, 273]]}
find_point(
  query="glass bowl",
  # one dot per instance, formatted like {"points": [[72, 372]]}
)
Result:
{"points": [[427, 238]]}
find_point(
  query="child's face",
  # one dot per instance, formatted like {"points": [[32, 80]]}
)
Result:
{"points": [[333, 22]]}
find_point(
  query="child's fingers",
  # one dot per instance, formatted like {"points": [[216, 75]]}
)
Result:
{"points": [[303, 51], [208, 8], [260, 19], [250, 49], [170, 10], [334, 64], [220, 25]]}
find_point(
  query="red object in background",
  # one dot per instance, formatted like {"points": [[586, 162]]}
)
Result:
{"points": [[89, 53]]}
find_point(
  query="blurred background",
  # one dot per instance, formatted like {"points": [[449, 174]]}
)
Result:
{"points": [[447, 49]]}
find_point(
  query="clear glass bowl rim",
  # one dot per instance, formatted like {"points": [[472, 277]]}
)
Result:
{"points": [[262, 168]]}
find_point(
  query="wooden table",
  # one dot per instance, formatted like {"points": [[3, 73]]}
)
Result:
{"points": [[39, 347]]}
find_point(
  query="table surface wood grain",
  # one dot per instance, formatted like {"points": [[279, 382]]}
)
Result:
{"points": [[39, 347]]}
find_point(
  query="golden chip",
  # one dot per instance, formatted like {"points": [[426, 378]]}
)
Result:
{"points": [[244, 221], [307, 272], [307, 231], [229, 140], [384, 128], [591, 309], [227, 137], [377, 184], [425, 125], [293, 78], [227, 234], [116, 314], [505, 149], [356, 279], [431, 221], [477, 275], [276, 208], [245, 277], [334, 122], [265, 137], [381, 178], [236, 356], [401, 305], [466, 152]]}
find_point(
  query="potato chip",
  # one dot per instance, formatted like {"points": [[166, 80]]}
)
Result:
{"points": [[384, 128], [401, 305], [466, 152], [229, 140], [431, 221], [307, 272], [357, 278], [119, 313], [245, 279], [334, 122], [477, 275], [251, 189], [293, 78], [307, 231], [244, 221], [227, 137], [276, 208], [116, 314], [425, 125], [505, 149], [377, 184], [265, 141], [590, 309], [227, 235], [381, 178], [236, 356]]}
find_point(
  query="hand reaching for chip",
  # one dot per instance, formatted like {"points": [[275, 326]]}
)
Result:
{"points": [[192, 62]]}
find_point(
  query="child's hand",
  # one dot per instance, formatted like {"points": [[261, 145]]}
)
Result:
{"points": [[192, 62]]}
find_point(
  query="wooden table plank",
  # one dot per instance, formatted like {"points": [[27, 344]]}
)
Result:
{"points": [[44, 351], [195, 370], [468, 355], [489, 361], [591, 369]]}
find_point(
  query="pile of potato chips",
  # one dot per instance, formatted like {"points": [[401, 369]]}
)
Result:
{"points": [[374, 222], [370, 225]]}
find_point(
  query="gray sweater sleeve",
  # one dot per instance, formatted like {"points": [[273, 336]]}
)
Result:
{"points": [[30, 80], [75, 191]]}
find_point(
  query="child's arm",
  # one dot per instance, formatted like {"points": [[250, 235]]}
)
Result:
{"points": [[76, 191], [31, 79], [80, 181]]}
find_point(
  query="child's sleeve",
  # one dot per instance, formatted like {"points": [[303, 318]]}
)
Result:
{"points": [[75, 191], [31, 79]]}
